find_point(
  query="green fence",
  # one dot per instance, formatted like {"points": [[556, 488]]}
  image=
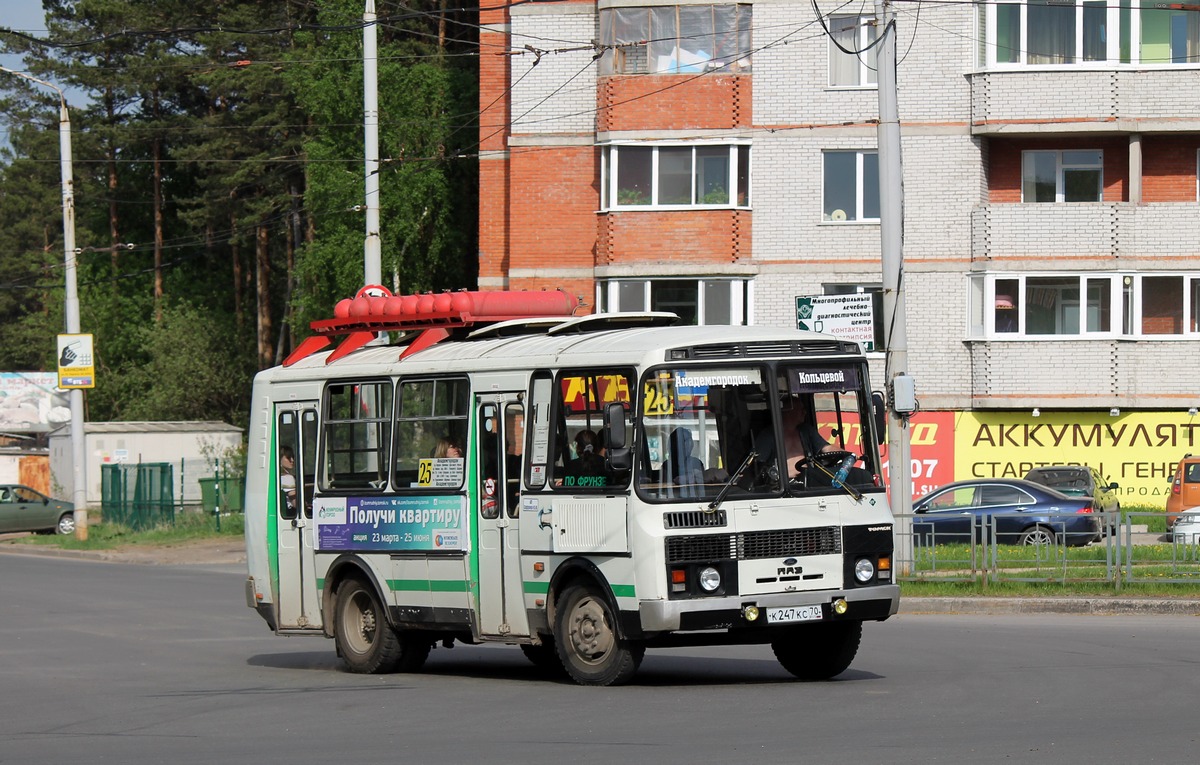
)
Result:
{"points": [[139, 496], [226, 493]]}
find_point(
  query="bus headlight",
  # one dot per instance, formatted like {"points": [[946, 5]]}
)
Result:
{"points": [[710, 579], [864, 570]]}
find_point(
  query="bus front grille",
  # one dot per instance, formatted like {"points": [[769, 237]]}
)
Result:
{"points": [[825, 540], [694, 519]]}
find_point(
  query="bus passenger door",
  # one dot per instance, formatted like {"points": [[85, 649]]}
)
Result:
{"points": [[501, 445], [296, 463]]}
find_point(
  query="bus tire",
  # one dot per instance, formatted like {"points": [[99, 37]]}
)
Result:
{"points": [[543, 656], [819, 651], [586, 639], [414, 650], [365, 640]]}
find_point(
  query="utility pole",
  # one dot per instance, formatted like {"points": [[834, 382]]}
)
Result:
{"points": [[71, 306], [372, 270], [901, 395]]}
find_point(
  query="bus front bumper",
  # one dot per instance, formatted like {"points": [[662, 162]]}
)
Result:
{"points": [[734, 613]]}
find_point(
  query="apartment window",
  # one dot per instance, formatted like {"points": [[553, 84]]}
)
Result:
{"points": [[851, 186], [1066, 32], [1170, 36], [1062, 176], [696, 301], [855, 34], [1053, 306], [676, 39], [689, 175]]}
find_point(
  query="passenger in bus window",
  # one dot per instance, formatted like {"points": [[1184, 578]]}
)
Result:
{"points": [[589, 460], [680, 466], [800, 436], [287, 475], [447, 447]]}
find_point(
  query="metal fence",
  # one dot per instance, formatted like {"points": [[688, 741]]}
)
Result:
{"points": [[977, 553], [138, 496]]}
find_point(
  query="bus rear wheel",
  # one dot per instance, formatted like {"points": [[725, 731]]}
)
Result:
{"points": [[365, 640], [819, 651], [586, 638]]}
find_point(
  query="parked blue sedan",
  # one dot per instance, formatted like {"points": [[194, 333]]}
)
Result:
{"points": [[1018, 512], [23, 509]]}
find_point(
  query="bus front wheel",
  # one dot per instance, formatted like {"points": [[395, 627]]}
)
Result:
{"points": [[819, 651], [586, 638], [365, 640]]}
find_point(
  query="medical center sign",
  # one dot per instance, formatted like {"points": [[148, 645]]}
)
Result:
{"points": [[849, 317]]}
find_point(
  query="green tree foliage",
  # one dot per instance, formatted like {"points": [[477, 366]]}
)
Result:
{"points": [[218, 159]]}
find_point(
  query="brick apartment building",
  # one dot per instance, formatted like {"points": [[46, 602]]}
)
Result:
{"points": [[720, 160]]}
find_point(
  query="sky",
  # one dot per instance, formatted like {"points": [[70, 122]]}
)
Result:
{"points": [[24, 16]]}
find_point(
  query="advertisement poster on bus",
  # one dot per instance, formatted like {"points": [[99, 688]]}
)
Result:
{"points": [[413, 523]]}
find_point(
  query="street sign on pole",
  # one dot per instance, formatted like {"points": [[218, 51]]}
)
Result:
{"points": [[76, 362], [850, 317]]}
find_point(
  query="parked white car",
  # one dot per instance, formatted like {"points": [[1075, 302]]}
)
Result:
{"points": [[1187, 527]]}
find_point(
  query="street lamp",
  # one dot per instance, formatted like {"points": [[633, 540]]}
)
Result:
{"points": [[71, 308]]}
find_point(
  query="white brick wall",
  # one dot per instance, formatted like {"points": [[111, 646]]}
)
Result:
{"points": [[950, 228], [556, 92]]}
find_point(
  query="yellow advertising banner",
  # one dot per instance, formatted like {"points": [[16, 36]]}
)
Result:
{"points": [[1137, 450], [76, 366]]}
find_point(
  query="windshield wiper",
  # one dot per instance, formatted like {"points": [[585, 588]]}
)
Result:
{"points": [[750, 458]]}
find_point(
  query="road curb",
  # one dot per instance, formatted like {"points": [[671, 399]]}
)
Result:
{"points": [[1083, 606]]}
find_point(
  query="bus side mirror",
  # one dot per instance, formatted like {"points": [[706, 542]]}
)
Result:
{"points": [[618, 454], [879, 409]]}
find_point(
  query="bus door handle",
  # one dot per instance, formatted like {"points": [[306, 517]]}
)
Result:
{"points": [[543, 515], [298, 523]]}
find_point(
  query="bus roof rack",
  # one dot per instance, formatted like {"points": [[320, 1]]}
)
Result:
{"points": [[374, 309], [516, 327], [600, 322]]}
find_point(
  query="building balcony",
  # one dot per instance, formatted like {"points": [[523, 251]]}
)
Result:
{"points": [[1127, 100], [1101, 234]]}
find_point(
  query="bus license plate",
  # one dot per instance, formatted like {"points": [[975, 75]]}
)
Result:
{"points": [[794, 614]]}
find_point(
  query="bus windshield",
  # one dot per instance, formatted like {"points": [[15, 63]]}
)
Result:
{"points": [[802, 423]]}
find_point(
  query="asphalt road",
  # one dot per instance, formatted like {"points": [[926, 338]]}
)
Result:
{"points": [[125, 663]]}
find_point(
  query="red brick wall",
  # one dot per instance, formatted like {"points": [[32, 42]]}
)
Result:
{"points": [[700, 236], [553, 207], [673, 102], [494, 171], [1169, 168], [1004, 163]]}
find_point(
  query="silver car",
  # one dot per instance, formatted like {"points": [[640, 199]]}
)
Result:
{"points": [[1186, 530], [24, 509]]}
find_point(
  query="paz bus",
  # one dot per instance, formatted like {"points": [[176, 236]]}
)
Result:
{"points": [[488, 467]]}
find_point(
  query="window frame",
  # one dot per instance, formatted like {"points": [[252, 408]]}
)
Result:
{"points": [[737, 179], [1131, 31], [829, 216], [564, 427], [647, 40], [1125, 305], [867, 69], [609, 296], [382, 450], [1063, 167], [422, 450]]}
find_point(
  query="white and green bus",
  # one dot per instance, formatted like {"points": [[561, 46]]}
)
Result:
{"points": [[583, 487]]}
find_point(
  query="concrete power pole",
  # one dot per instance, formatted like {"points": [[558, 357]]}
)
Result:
{"points": [[901, 393], [71, 304], [372, 269]]}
